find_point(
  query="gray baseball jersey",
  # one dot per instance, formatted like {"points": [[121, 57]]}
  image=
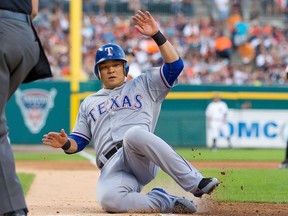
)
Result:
{"points": [[105, 116]]}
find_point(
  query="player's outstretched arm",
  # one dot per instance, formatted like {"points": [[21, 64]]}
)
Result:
{"points": [[60, 140], [146, 25]]}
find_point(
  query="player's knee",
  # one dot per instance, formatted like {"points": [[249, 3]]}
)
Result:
{"points": [[132, 135], [112, 202]]}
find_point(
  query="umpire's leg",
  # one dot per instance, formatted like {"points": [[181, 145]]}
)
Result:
{"points": [[11, 194], [19, 53]]}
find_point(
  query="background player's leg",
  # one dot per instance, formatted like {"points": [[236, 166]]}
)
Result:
{"points": [[284, 164], [214, 144], [229, 142], [215, 132], [226, 133]]}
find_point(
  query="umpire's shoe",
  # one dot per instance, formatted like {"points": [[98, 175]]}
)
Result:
{"points": [[20, 212], [206, 186], [180, 204]]}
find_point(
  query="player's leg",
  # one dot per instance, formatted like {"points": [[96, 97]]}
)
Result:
{"points": [[226, 134], [214, 143], [229, 142], [284, 164], [118, 190], [215, 132], [146, 145]]}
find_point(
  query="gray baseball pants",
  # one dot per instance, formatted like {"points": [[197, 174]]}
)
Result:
{"points": [[134, 166]]}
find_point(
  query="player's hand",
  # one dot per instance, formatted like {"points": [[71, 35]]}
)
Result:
{"points": [[145, 23], [55, 139]]}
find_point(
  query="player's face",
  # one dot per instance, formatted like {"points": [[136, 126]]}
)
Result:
{"points": [[112, 73], [216, 99]]}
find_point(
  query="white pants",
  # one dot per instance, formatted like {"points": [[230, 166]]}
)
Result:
{"points": [[218, 127]]}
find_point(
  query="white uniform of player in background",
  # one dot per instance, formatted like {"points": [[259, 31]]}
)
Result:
{"points": [[216, 116]]}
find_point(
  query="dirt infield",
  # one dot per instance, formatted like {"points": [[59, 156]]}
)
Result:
{"points": [[68, 188]]}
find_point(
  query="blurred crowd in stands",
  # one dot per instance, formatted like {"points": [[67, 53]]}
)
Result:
{"points": [[220, 49]]}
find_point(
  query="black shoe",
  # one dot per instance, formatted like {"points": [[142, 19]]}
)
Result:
{"points": [[206, 186], [20, 212], [283, 165]]}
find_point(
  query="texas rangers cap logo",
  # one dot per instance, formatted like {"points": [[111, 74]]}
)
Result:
{"points": [[109, 50], [35, 105]]}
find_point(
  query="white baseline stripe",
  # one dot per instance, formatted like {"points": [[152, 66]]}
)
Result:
{"points": [[88, 156]]}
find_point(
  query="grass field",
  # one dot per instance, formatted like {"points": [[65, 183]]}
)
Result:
{"points": [[232, 154], [237, 185], [261, 186], [189, 154], [26, 181]]}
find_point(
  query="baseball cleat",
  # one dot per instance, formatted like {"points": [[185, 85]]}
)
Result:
{"points": [[180, 204], [206, 186]]}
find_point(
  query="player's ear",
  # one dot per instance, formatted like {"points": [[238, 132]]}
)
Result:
{"points": [[126, 67], [99, 75], [97, 72], [123, 67]]}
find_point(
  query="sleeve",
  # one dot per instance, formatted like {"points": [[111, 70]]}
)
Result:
{"points": [[171, 71], [81, 142], [81, 128], [208, 111]]}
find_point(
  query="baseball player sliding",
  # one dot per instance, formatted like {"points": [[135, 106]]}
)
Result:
{"points": [[119, 120]]}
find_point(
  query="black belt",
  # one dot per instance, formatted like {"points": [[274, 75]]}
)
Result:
{"points": [[14, 15], [110, 153]]}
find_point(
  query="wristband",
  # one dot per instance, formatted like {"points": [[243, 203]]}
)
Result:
{"points": [[67, 145], [159, 38]]}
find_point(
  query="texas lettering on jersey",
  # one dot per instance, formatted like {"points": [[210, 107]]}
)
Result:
{"points": [[115, 103]]}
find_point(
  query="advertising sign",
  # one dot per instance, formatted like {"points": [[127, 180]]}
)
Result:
{"points": [[255, 129]]}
